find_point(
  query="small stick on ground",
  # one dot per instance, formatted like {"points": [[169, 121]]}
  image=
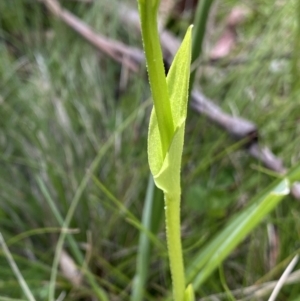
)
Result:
{"points": [[256, 291], [121, 53], [283, 278]]}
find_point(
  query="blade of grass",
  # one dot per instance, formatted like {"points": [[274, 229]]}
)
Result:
{"points": [[16, 270], [240, 226], [23, 235], [131, 218], [152, 214], [201, 17], [224, 284], [73, 245], [204, 164]]}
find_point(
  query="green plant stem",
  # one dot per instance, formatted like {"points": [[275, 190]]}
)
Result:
{"points": [[156, 72], [199, 32], [172, 209]]}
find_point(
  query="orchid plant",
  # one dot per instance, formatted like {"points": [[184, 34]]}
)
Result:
{"points": [[166, 133]]}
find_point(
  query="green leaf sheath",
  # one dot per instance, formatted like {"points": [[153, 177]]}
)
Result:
{"points": [[166, 169], [156, 72], [189, 293]]}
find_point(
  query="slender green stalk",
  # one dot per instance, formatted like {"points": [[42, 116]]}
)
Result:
{"points": [[229, 294], [144, 248], [16, 270], [156, 72], [199, 32], [172, 209], [131, 219], [152, 214], [74, 247]]}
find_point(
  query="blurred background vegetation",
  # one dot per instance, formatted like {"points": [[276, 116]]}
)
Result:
{"points": [[62, 105]]}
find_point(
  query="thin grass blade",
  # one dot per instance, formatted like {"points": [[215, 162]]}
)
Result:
{"points": [[240, 226], [16, 270], [151, 218]]}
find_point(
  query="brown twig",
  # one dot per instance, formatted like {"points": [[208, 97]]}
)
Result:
{"points": [[238, 128], [124, 54]]}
